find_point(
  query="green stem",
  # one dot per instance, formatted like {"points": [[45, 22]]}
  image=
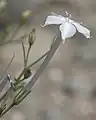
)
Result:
{"points": [[26, 60], [49, 56], [23, 48], [31, 65], [37, 74], [21, 74]]}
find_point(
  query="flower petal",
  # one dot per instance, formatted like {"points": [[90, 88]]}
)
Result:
{"points": [[67, 30], [54, 19], [82, 29]]}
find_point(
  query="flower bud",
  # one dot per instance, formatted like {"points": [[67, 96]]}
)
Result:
{"points": [[32, 37]]}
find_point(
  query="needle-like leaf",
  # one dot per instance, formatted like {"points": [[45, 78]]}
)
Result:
{"points": [[5, 71]]}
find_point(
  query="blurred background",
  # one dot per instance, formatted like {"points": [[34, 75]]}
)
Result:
{"points": [[67, 88]]}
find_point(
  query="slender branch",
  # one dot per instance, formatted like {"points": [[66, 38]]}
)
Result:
{"points": [[54, 47], [31, 65]]}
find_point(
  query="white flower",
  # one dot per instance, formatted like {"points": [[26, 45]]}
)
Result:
{"points": [[67, 27]]}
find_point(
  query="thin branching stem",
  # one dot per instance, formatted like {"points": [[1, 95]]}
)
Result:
{"points": [[49, 56], [29, 86], [31, 65]]}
